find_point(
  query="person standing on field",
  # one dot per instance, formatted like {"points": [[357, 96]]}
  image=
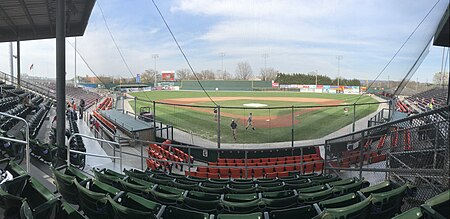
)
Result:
{"points": [[233, 128], [250, 122]]}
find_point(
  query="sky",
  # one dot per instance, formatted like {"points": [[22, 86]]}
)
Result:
{"points": [[292, 36]]}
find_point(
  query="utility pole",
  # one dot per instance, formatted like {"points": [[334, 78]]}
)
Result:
{"points": [[222, 54], [316, 78], [11, 60], [75, 57], [155, 57], [339, 58], [265, 56]]}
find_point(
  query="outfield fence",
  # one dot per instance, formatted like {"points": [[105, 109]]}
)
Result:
{"points": [[282, 125]]}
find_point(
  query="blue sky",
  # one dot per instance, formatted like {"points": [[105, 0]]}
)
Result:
{"points": [[298, 36]]}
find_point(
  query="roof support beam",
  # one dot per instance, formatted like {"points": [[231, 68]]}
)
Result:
{"points": [[27, 14], [61, 75], [50, 21], [8, 20]]}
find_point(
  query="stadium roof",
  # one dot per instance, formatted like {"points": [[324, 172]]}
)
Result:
{"points": [[36, 19], [442, 36]]}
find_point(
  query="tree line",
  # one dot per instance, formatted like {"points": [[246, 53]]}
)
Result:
{"points": [[298, 78]]}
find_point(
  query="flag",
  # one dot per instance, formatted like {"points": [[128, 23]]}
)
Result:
{"points": [[31, 67]]}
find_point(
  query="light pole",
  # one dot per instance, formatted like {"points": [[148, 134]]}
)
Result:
{"points": [[222, 54], [316, 78], [155, 57], [265, 56], [339, 58]]}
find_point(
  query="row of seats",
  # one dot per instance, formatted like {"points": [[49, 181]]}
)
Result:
{"points": [[106, 104], [254, 172], [8, 103], [135, 194], [20, 110], [276, 160], [37, 119], [25, 197]]}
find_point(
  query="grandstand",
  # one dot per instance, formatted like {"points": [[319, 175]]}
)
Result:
{"points": [[55, 164]]}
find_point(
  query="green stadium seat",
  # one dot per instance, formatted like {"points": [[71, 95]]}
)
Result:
{"points": [[241, 207], [171, 212], [278, 194], [437, 207], [184, 185], [166, 195], [312, 189], [203, 196], [388, 204], [413, 213], [100, 187], [240, 197], [66, 211], [241, 191], [11, 166], [326, 179], [94, 204], [136, 173], [139, 182], [133, 188], [360, 210], [295, 185], [381, 187], [45, 210], [133, 206], [77, 173], [343, 182], [271, 188], [281, 203], [340, 201], [209, 206], [112, 180], [257, 215], [310, 198], [307, 211], [66, 186], [349, 188]]}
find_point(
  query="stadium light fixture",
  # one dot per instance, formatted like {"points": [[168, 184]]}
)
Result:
{"points": [[339, 58]]}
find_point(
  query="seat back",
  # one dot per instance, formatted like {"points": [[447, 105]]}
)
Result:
{"points": [[66, 186], [176, 213], [93, 204], [360, 210]]}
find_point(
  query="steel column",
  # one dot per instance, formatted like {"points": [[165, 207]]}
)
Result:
{"points": [[18, 62], [292, 127], [61, 72], [218, 126]]}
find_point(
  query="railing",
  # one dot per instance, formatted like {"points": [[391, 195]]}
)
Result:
{"points": [[91, 154], [26, 142], [28, 85], [413, 149]]}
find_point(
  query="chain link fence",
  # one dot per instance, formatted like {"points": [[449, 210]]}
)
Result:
{"points": [[412, 150]]}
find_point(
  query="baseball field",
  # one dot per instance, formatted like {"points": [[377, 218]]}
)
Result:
{"points": [[274, 114]]}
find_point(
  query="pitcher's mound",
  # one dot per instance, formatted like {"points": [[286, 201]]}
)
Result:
{"points": [[254, 105]]}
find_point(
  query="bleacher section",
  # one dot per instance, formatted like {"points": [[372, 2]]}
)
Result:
{"points": [[156, 194], [436, 96]]}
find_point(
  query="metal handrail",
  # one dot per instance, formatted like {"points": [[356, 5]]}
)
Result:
{"points": [[27, 138], [91, 154]]}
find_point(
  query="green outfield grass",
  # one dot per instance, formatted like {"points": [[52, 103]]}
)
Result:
{"points": [[310, 124]]}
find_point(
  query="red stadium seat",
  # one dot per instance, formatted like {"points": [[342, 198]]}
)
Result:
{"points": [[268, 170], [221, 160], [308, 168], [289, 168], [249, 173], [271, 175], [273, 159], [202, 174], [264, 160], [235, 173], [279, 168], [258, 172], [212, 163], [282, 174], [224, 172], [213, 175], [202, 169], [213, 170], [318, 166]]}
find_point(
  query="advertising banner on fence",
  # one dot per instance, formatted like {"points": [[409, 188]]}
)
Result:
{"points": [[321, 88]]}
